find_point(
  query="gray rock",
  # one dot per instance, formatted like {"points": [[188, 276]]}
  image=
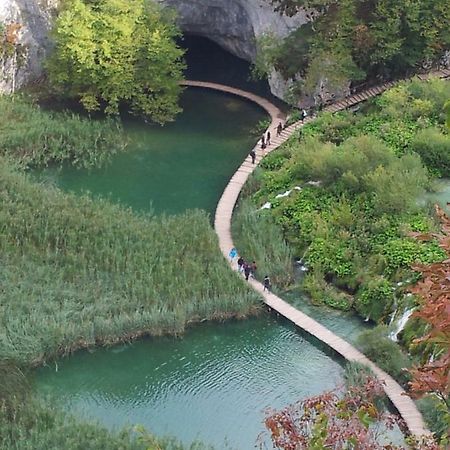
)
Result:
{"points": [[34, 18]]}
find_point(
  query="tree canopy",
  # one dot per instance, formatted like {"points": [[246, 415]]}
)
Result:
{"points": [[113, 51], [359, 38]]}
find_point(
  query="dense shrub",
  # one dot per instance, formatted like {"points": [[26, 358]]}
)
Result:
{"points": [[375, 299], [437, 417], [434, 148], [385, 353], [356, 197], [324, 293]]}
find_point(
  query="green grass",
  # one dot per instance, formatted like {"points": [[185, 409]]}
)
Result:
{"points": [[38, 425], [258, 238], [35, 137], [78, 272]]}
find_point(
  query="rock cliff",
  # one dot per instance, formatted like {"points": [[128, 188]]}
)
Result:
{"points": [[233, 24], [25, 42]]}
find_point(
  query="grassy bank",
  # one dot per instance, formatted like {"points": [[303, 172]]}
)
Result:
{"points": [[38, 426], [78, 272], [36, 137]]}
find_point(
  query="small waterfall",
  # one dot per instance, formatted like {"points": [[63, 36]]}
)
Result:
{"points": [[399, 324]]}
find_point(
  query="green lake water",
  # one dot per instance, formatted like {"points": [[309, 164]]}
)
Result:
{"points": [[213, 384], [183, 165]]}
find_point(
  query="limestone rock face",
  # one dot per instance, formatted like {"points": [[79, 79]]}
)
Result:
{"points": [[235, 25], [31, 21]]}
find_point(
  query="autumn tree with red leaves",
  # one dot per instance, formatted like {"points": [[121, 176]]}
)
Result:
{"points": [[434, 288], [333, 421], [353, 420]]}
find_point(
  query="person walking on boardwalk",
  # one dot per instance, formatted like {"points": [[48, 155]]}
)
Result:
{"points": [[253, 155], [247, 270], [240, 263], [253, 268], [304, 114], [268, 138], [232, 254], [279, 128], [263, 142], [267, 283]]}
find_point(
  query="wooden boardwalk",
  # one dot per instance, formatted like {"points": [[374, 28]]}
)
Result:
{"points": [[222, 224]]}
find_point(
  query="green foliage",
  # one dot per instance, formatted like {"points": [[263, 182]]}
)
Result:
{"points": [[259, 239], [446, 109], [38, 425], [331, 256], [385, 353], [375, 299], [434, 148], [356, 197], [437, 417], [275, 160], [35, 137], [78, 272], [396, 187], [404, 252], [113, 51], [324, 293], [353, 39]]}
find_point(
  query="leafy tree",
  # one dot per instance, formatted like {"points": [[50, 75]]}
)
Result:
{"points": [[109, 51], [363, 38]]}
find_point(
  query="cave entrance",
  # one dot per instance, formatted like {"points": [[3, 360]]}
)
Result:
{"points": [[207, 61]]}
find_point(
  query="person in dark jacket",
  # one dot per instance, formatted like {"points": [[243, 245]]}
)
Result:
{"points": [[279, 128], [240, 263], [247, 270], [253, 156], [267, 283]]}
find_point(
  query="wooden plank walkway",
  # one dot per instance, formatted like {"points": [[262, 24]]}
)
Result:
{"points": [[222, 225]]}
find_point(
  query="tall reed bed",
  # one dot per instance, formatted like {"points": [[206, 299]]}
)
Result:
{"points": [[36, 137], [37, 426], [258, 238], [78, 272]]}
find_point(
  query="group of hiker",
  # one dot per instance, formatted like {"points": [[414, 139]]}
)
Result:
{"points": [[248, 269], [266, 137]]}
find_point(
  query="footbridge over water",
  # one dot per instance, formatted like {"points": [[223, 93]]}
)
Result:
{"points": [[222, 224]]}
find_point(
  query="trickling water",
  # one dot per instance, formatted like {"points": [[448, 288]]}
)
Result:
{"points": [[400, 323]]}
